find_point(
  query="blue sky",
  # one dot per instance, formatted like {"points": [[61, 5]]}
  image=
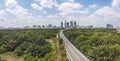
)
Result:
{"points": [[27, 4], [20, 13]]}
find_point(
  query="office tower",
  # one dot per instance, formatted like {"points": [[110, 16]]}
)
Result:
{"points": [[109, 26], [67, 25], [75, 24], [61, 24], [71, 24], [43, 26], [91, 26], [49, 25]]}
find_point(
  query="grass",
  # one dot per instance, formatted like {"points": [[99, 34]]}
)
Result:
{"points": [[61, 56], [10, 56]]}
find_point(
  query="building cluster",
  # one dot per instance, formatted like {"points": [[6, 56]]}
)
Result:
{"points": [[44, 26], [71, 24], [64, 24], [109, 26]]}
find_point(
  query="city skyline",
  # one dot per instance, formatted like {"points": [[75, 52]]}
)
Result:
{"points": [[21, 13]]}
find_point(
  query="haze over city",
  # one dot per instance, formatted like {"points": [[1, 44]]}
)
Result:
{"points": [[20, 13]]}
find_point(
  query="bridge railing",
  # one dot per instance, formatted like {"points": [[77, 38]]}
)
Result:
{"points": [[70, 44]]}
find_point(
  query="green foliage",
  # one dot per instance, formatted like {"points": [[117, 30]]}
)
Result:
{"points": [[62, 54], [96, 44], [29, 44], [2, 59], [60, 40]]}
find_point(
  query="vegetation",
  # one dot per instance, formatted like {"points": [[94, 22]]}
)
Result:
{"points": [[29, 44], [96, 44], [10, 56], [62, 55], [2, 59]]}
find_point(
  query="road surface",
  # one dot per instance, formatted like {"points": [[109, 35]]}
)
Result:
{"points": [[72, 52]]}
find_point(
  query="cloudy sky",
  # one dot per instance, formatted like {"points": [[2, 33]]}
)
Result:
{"points": [[19, 13]]}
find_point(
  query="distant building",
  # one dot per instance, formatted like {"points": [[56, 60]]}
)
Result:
{"points": [[50, 25], [71, 24], [61, 24], [91, 26], [39, 26], [26, 27], [75, 24], [43, 26], [34, 26], [67, 25], [109, 26]]}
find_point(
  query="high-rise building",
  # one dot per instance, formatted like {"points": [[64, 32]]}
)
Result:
{"points": [[49, 25], [43, 26], [109, 26], [91, 26], [67, 25], [75, 24], [61, 24], [71, 24]]}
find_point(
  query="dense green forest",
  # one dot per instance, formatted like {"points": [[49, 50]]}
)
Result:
{"points": [[96, 44], [30, 44]]}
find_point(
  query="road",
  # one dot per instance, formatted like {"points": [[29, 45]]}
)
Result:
{"points": [[72, 52]]}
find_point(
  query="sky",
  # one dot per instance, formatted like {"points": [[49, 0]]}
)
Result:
{"points": [[20, 13]]}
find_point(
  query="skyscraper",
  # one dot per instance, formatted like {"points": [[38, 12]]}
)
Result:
{"points": [[75, 24], [71, 24], [61, 24], [65, 24]]}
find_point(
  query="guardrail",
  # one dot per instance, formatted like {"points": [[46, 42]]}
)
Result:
{"points": [[65, 40]]}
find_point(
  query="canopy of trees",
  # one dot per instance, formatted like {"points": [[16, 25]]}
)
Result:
{"points": [[96, 44], [29, 44]]}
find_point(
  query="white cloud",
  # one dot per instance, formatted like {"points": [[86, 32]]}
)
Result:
{"points": [[4, 22], [2, 13], [84, 11], [108, 12], [68, 7], [71, 0], [41, 4], [18, 11], [22, 18], [93, 6], [116, 3], [10, 3], [13, 8], [73, 18], [102, 16], [47, 3], [36, 6], [2, 19]]}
